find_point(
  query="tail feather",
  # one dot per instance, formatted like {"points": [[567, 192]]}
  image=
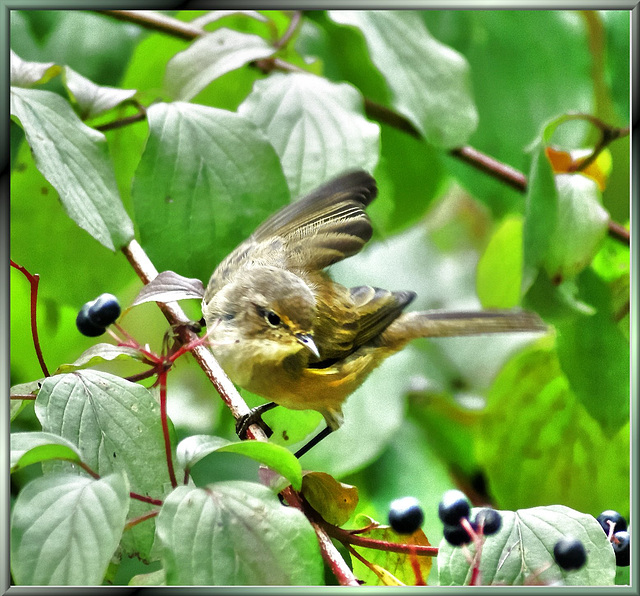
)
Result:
{"points": [[455, 324]]}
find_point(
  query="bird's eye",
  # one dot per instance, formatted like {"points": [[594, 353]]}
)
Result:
{"points": [[268, 315], [272, 318]]}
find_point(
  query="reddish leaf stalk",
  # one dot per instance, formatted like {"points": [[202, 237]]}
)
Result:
{"points": [[162, 378], [415, 564], [145, 499], [136, 520], [34, 280]]}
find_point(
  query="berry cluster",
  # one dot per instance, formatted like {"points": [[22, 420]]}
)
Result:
{"points": [[454, 507], [615, 527], [95, 316]]}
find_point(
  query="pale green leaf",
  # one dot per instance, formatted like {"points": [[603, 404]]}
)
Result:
{"points": [[209, 57], [32, 447], [524, 547], [75, 160], [94, 99], [317, 127], [65, 529], [235, 533], [429, 81]]}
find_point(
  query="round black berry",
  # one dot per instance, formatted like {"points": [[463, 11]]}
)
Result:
{"points": [[85, 325], [620, 545], [453, 507], [489, 520], [457, 535], [405, 515], [610, 515], [104, 310], [569, 553]]}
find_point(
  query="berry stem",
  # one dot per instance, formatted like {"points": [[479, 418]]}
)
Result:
{"points": [[34, 280], [136, 520]]}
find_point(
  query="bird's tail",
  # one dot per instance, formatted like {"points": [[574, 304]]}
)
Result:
{"points": [[435, 323]]}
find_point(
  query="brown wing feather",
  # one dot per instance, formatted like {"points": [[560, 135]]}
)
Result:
{"points": [[311, 233]]}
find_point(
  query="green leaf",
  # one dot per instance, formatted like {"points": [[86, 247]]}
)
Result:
{"points": [[27, 74], [558, 448], [429, 81], [117, 426], [206, 179], [333, 500], [499, 275], [594, 355], [94, 99], [209, 57], [192, 449], [98, 354], [74, 159], [235, 533], [33, 447], [541, 214], [581, 226], [65, 529], [317, 127], [523, 548]]}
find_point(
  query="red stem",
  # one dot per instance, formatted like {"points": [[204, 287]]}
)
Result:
{"points": [[144, 499], [416, 567], [34, 280], [162, 378], [136, 520]]}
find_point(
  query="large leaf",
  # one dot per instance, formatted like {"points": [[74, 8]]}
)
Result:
{"points": [[209, 57], [558, 449], [235, 533], [206, 179], [317, 127], [116, 424], [429, 81], [65, 529], [524, 547], [74, 158]]}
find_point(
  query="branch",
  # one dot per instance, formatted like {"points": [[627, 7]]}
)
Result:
{"points": [[229, 394], [471, 156]]}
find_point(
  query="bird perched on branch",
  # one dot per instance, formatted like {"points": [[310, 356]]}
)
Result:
{"points": [[282, 328]]}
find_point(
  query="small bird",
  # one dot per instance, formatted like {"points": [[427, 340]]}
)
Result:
{"points": [[280, 327]]}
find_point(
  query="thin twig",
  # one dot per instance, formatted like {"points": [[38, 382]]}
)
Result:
{"points": [[296, 19], [34, 280], [156, 21]]}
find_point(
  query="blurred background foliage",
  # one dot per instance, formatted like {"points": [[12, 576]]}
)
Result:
{"points": [[514, 421]]}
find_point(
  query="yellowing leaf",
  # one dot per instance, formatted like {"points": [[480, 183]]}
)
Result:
{"points": [[568, 162], [333, 500]]}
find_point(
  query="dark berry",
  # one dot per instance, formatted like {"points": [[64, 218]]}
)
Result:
{"points": [[569, 553], [104, 310], [620, 545], [489, 520], [405, 515], [457, 535], [85, 325], [610, 515], [453, 507]]}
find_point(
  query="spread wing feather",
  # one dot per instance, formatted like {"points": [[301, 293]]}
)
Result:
{"points": [[309, 234]]}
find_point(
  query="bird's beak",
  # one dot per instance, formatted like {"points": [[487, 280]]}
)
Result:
{"points": [[307, 341]]}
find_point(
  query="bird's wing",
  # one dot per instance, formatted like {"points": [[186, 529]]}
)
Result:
{"points": [[309, 234]]}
